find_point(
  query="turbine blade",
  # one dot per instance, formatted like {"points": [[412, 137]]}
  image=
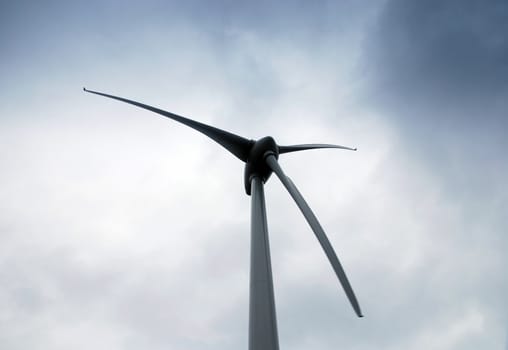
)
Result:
{"points": [[235, 144], [296, 148], [318, 231]]}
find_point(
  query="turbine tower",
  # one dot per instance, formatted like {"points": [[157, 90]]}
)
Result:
{"points": [[261, 160]]}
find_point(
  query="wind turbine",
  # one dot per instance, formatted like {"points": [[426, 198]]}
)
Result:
{"points": [[260, 158]]}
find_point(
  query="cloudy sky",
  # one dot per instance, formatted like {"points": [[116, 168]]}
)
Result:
{"points": [[120, 229]]}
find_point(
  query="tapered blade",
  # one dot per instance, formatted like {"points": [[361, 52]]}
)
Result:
{"points": [[296, 148], [235, 144], [318, 231]]}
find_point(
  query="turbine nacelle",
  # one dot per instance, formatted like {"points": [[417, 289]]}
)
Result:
{"points": [[256, 163]]}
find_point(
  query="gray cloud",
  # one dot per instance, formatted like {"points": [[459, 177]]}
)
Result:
{"points": [[437, 72], [446, 57], [120, 230]]}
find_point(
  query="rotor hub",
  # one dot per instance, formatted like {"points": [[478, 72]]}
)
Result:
{"points": [[256, 163]]}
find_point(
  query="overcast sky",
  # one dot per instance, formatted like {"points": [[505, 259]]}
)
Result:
{"points": [[120, 229]]}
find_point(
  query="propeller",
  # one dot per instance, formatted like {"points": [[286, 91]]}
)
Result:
{"points": [[235, 144], [296, 148], [261, 160], [318, 230]]}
